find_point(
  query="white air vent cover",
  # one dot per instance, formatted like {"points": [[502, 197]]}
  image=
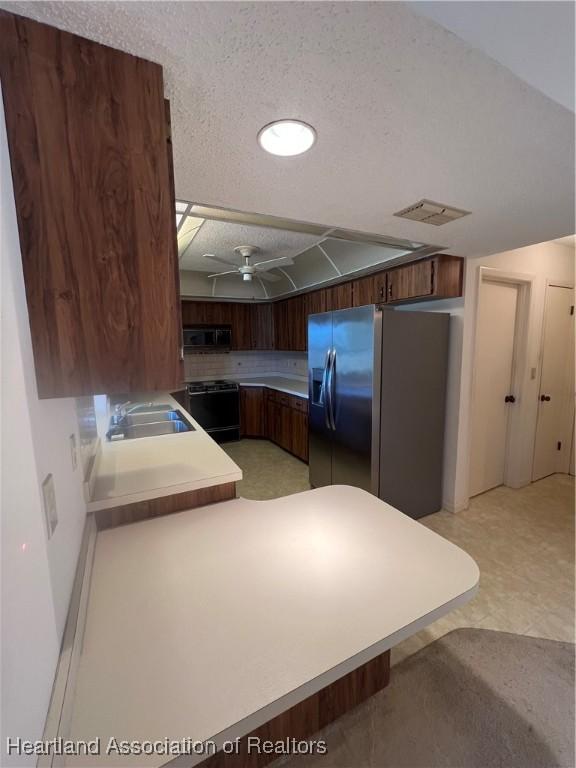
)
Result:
{"points": [[429, 212]]}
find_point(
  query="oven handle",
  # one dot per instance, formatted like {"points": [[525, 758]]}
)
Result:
{"points": [[214, 392]]}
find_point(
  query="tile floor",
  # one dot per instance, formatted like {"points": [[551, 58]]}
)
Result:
{"points": [[522, 540], [269, 471]]}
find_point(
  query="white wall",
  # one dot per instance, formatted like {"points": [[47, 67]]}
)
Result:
{"points": [[546, 262], [37, 574]]}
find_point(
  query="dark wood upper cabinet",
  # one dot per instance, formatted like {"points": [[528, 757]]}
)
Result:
{"points": [[87, 135], [438, 277], [262, 319], [339, 296], [283, 324], [241, 326]]}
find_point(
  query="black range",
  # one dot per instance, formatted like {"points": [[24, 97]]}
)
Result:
{"points": [[215, 405]]}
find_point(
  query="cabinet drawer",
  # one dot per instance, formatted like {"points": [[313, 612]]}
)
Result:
{"points": [[300, 404], [284, 399]]}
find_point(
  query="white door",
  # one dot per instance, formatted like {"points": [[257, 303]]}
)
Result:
{"points": [[493, 376], [556, 397]]}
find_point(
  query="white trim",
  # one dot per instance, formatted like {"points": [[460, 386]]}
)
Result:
{"points": [[329, 259], [59, 717], [288, 276]]}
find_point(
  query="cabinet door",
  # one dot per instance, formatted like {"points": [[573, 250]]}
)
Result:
{"points": [[448, 276], [262, 321], [300, 323], [87, 136], [252, 412], [241, 326], [411, 281], [369, 290], [206, 313], [282, 325], [299, 427], [273, 421], [285, 433], [339, 296]]}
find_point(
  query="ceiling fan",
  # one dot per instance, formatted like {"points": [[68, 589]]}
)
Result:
{"points": [[247, 270]]}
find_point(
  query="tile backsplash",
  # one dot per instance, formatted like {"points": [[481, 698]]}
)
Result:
{"points": [[211, 366]]}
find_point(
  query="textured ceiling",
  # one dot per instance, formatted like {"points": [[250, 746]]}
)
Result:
{"points": [[403, 108], [221, 237], [535, 40]]}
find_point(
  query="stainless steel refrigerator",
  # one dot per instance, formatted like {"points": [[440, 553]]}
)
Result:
{"points": [[377, 394]]}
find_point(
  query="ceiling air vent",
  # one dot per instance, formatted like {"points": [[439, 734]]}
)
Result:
{"points": [[429, 212]]}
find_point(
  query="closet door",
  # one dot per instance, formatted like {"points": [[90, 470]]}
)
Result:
{"points": [[556, 397]]}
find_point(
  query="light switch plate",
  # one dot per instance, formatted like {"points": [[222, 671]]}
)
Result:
{"points": [[49, 499], [73, 452]]}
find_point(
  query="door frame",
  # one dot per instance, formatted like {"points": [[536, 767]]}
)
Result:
{"points": [[514, 469], [550, 283]]}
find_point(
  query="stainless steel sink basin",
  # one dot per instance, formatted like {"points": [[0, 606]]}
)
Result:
{"points": [[148, 417], [149, 423], [153, 429], [149, 408]]}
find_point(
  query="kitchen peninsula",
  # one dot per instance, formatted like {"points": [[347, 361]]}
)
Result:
{"points": [[209, 623]]}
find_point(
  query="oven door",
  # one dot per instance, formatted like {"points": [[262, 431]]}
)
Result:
{"points": [[218, 413]]}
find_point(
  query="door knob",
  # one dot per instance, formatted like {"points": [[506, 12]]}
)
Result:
{"points": [[509, 399], [544, 398]]}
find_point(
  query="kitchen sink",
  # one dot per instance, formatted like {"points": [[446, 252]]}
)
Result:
{"points": [[148, 423], [148, 417], [150, 408]]}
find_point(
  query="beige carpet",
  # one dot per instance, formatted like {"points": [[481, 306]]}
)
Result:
{"points": [[473, 699]]}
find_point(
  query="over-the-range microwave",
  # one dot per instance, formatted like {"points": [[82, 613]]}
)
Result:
{"points": [[207, 338]]}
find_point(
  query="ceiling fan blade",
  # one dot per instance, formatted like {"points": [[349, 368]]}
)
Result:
{"points": [[262, 274], [220, 274], [222, 261], [269, 261]]}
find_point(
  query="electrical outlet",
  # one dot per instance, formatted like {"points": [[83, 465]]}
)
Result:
{"points": [[49, 498], [73, 452]]}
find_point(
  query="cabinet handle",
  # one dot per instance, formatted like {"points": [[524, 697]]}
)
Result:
{"points": [[509, 399], [544, 398]]}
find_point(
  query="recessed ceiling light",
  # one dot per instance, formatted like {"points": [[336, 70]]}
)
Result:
{"points": [[287, 137]]}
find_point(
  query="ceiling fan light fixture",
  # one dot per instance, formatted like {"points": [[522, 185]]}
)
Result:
{"points": [[287, 138], [247, 277]]}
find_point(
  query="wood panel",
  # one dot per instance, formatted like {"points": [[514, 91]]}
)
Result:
{"points": [[166, 505], [448, 276], [339, 296], [88, 147], [411, 281], [262, 318], [252, 412], [241, 321], [207, 312], [438, 277], [299, 429], [309, 716]]}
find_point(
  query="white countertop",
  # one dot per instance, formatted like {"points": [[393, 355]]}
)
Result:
{"points": [[127, 471], [292, 385], [207, 623]]}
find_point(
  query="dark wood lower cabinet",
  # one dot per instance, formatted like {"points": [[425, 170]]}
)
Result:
{"points": [[165, 505], [308, 717], [275, 416], [252, 412]]}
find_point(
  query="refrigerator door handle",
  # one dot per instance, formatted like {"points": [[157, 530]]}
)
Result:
{"points": [[324, 388], [331, 368]]}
